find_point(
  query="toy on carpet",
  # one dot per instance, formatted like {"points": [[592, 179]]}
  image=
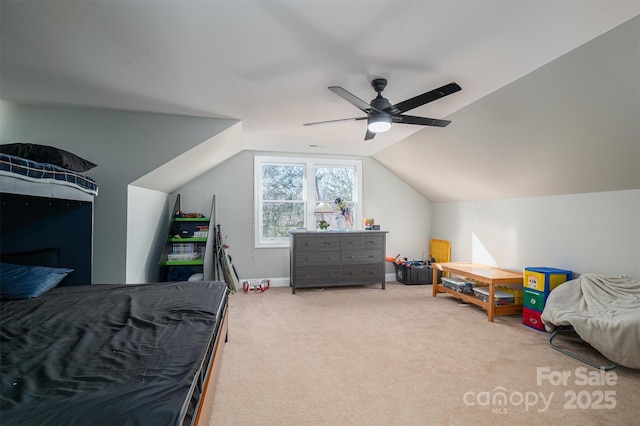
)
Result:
{"points": [[262, 286]]}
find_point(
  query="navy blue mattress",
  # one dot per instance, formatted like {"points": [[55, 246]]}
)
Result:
{"points": [[109, 354]]}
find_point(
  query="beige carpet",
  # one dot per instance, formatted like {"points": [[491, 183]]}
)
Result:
{"points": [[363, 356]]}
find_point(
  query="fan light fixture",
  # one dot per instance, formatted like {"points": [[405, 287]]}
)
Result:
{"points": [[380, 113], [379, 123]]}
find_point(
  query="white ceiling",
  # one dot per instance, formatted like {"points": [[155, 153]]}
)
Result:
{"points": [[269, 63]]}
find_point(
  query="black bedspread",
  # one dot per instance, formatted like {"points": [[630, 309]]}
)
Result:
{"points": [[106, 354]]}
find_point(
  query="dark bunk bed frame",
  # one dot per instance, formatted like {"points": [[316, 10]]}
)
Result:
{"points": [[40, 216]]}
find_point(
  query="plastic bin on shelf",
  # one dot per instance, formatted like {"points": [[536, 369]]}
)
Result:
{"points": [[500, 297], [458, 284]]}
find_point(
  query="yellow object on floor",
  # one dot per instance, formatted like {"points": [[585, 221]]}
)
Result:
{"points": [[440, 250]]}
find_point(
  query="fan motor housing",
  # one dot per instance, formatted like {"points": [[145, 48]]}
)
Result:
{"points": [[379, 84], [380, 103]]}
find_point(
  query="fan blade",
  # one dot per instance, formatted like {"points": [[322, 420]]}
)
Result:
{"points": [[424, 121], [369, 135], [334, 121], [353, 99], [427, 97]]}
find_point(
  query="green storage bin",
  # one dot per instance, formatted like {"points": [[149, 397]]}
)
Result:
{"points": [[534, 299]]}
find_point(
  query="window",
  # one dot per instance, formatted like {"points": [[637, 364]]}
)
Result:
{"points": [[288, 189]]}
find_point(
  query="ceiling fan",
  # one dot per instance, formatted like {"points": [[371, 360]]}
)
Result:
{"points": [[381, 113]]}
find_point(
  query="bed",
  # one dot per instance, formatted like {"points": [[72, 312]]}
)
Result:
{"points": [[603, 311], [47, 207], [112, 354], [76, 352]]}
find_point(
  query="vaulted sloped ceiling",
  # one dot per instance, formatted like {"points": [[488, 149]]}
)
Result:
{"points": [[572, 126], [528, 121]]}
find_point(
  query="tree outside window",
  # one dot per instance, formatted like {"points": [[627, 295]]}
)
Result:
{"points": [[287, 191], [282, 199], [333, 183]]}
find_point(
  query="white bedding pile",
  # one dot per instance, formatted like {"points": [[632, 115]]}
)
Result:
{"points": [[604, 311]]}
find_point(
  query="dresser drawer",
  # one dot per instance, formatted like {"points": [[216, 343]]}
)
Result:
{"points": [[306, 243], [317, 258], [364, 256], [328, 242], [359, 242], [362, 273], [351, 242], [317, 275], [373, 242]]}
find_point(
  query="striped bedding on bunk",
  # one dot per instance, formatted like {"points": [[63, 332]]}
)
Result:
{"points": [[46, 173]]}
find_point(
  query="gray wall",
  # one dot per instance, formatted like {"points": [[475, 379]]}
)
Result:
{"points": [[596, 232], [125, 145], [586, 233], [395, 206]]}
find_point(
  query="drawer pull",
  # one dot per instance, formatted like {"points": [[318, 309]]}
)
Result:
{"points": [[329, 257], [371, 256], [306, 275]]}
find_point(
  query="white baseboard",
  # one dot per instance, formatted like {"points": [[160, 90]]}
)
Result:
{"points": [[285, 282], [273, 282]]}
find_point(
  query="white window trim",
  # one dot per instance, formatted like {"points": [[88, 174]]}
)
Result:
{"points": [[309, 197]]}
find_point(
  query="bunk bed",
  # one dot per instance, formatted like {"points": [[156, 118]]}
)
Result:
{"points": [[76, 353], [47, 211]]}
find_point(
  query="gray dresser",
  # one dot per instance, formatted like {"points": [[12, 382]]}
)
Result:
{"points": [[334, 258]]}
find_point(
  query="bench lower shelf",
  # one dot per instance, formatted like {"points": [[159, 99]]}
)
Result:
{"points": [[468, 298], [489, 275]]}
